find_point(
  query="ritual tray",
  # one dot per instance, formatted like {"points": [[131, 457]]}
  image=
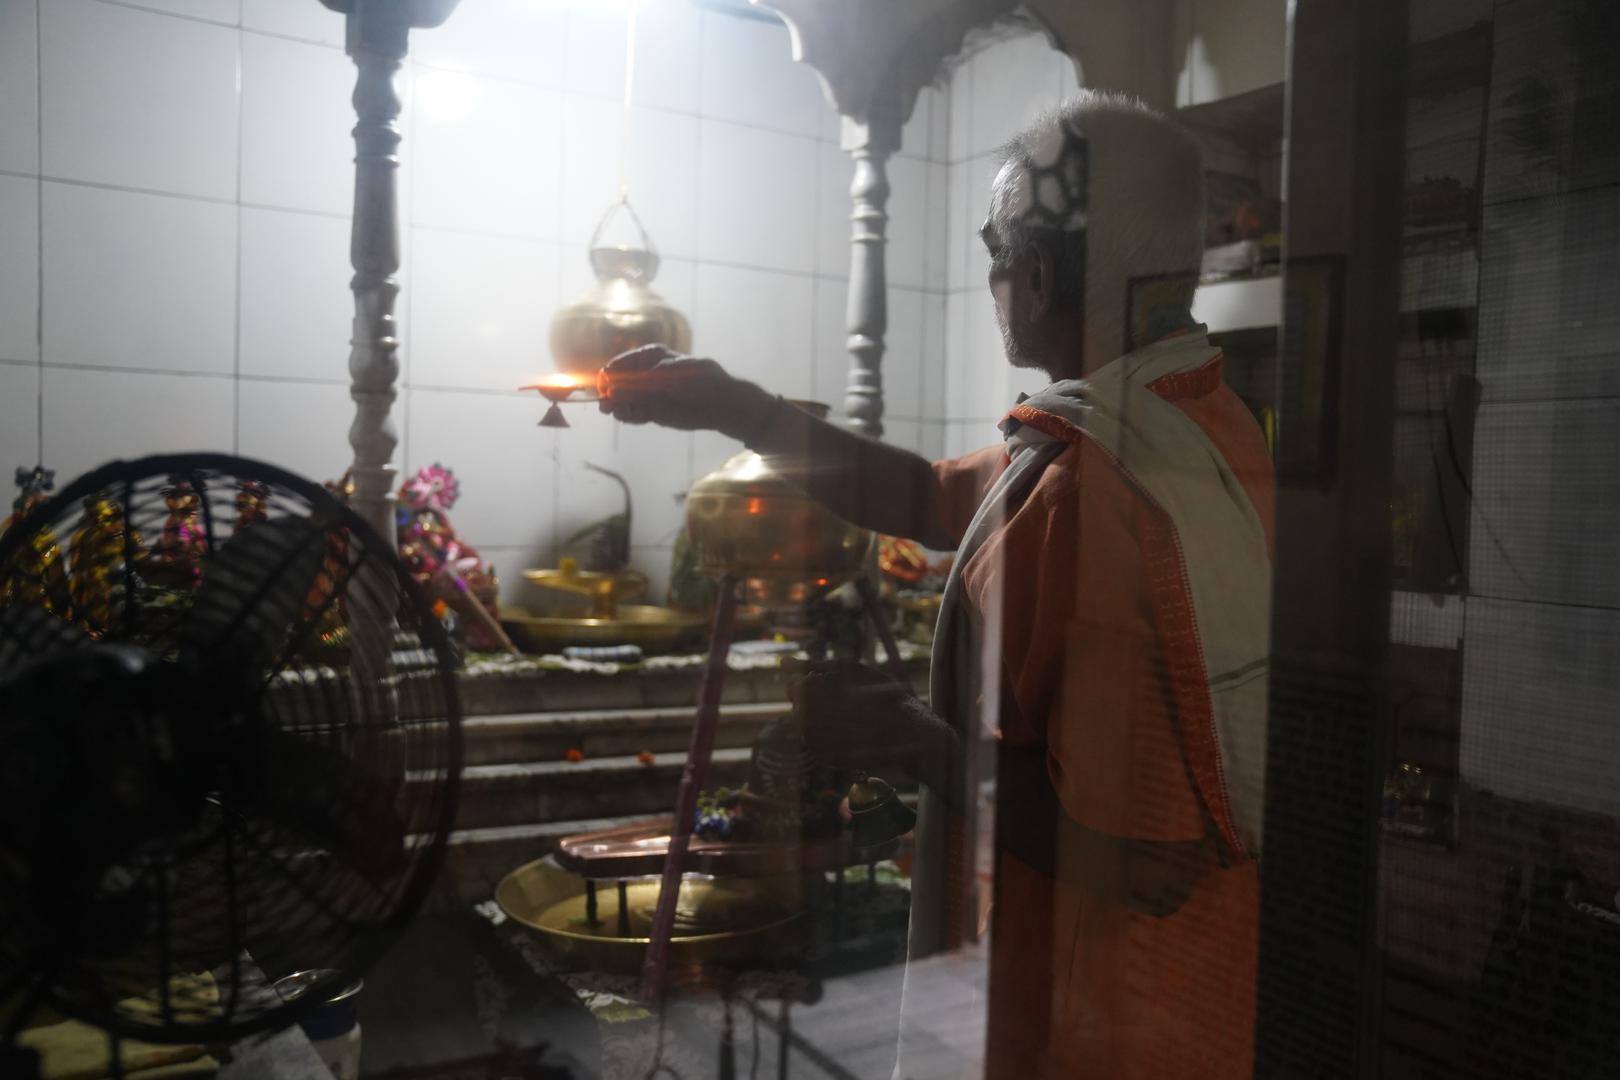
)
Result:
{"points": [[638, 849]]}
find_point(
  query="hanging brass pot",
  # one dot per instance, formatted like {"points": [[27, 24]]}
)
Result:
{"points": [[621, 312]]}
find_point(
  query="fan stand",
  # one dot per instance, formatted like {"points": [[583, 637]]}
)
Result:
{"points": [[701, 750]]}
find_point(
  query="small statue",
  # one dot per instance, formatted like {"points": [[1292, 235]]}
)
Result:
{"points": [[438, 560], [37, 575], [252, 503], [102, 550], [183, 545]]}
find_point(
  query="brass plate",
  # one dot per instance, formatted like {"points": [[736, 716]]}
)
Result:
{"points": [[717, 919], [655, 629]]}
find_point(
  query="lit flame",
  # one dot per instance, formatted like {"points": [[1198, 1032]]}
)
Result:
{"points": [[555, 388], [756, 505]]}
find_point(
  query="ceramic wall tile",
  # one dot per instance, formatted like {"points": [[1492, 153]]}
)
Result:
{"points": [[1546, 502], [906, 256], [1548, 282], [936, 227], [656, 563], [507, 39], [959, 95], [668, 46], [19, 269], [486, 154], [92, 417], [835, 171], [831, 373], [933, 371], [585, 497], [1013, 82], [309, 22], [19, 87], [757, 324], [903, 361], [749, 77], [227, 12], [660, 166], [480, 310], [958, 235], [915, 136], [501, 458], [753, 189], [296, 309], [980, 172], [656, 462], [144, 281], [974, 389], [297, 146], [1539, 682], [19, 417], [137, 99], [267, 410]]}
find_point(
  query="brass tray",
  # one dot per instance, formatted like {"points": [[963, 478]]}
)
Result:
{"points": [[655, 629], [639, 848], [716, 920]]}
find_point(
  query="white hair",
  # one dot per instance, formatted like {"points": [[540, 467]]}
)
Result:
{"points": [[1137, 211]]}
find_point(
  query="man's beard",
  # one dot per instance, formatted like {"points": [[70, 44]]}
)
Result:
{"points": [[1021, 342]]}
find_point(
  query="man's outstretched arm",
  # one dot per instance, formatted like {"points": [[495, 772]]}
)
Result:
{"points": [[875, 485]]}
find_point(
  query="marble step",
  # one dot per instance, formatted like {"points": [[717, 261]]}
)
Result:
{"points": [[539, 792], [602, 733]]}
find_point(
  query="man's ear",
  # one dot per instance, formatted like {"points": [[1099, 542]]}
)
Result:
{"points": [[1042, 281]]}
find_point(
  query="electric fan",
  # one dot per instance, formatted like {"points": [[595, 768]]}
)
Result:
{"points": [[230, 741]]}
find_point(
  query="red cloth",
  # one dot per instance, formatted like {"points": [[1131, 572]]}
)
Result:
{"points": [[1080, 986]]}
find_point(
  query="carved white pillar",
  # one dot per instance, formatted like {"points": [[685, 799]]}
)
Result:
{"points": [[870, 146], [377, 35]]}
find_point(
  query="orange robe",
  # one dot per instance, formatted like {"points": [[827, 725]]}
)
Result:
{"points": [[1079, 986]]}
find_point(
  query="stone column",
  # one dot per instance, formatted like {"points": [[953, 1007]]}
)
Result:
{"points": [[377, 36], [868, 314]]}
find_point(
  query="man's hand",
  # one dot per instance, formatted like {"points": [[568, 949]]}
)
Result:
{"points": [[654, 385]]}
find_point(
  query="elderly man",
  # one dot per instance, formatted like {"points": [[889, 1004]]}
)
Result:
{"points": [[1106, 619]]}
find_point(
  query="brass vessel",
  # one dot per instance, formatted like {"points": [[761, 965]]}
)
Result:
{"points": [[747, 520], [621, 312], [716, 919]]}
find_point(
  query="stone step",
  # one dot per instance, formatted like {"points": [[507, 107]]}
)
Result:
{"points": [[541, 792], [600, 733]]}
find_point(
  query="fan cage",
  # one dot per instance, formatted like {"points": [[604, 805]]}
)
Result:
{"points": [[310, 853]]}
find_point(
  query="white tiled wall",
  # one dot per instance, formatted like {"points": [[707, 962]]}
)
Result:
{"points": [[991, 94], [175, 191]]}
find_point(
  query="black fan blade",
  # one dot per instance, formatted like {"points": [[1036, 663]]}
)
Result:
{"points": [[248, 605], [30, 633]]}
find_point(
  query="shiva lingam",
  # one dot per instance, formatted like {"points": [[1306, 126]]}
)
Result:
{"points": [[747, 523], [608, 621]]}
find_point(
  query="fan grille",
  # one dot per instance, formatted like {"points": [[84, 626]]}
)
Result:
{"points": [[302, 754]]}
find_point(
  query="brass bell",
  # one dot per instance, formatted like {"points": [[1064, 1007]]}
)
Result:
{"points": [[878, 816]]}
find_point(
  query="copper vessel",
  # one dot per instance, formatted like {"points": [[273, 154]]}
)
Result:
{"points": [[746, 519], [621, 312]]}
